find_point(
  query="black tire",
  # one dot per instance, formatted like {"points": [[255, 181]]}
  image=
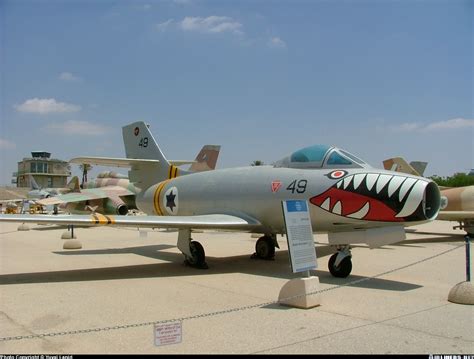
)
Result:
{"points": [[265, 248], [198, 258], [343, 269]]}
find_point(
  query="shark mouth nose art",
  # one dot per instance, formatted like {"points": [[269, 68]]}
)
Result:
{"points": [[379, 197]]}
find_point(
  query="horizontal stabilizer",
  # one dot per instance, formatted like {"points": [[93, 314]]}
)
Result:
{"points": [[455, 215], [87, 195], [122, 162]]}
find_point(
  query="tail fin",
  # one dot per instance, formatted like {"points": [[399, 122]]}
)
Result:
{"points": [[73, 184], [140, 144], [33, 183], [206, 159], [398, 164], [419, 166]]}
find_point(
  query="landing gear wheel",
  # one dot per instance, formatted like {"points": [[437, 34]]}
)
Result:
{"points": [[198, 258], [343, 269], [264, 248]]}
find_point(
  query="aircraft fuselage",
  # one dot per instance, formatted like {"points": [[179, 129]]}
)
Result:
{"points": [[365, 197]]}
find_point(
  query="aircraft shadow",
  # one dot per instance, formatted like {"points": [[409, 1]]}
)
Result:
{"points": [[175, 267]]}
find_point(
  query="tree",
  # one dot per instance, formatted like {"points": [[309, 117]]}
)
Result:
{"points": [[257, 163], [457, 180]]}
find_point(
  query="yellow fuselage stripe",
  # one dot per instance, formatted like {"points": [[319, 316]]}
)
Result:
{"points": [[172, 172], [102, 219], [156, 198]]}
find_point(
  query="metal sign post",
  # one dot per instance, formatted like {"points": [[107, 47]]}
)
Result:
{"points": [[468, 258]]}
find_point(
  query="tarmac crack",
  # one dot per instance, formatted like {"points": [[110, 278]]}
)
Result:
{"points": [[17, 324], [361, 326]]}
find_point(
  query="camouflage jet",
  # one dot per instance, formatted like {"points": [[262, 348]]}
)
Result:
{"points": [[457, 204], [39, 193], [348, 199], [112, 193]]}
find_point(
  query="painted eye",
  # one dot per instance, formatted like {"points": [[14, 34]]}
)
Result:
{"points": [[337, 174]]}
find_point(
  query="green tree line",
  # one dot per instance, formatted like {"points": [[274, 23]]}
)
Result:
{"points": [[457, 180]]}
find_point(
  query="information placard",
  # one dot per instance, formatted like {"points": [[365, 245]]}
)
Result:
{"points": [[299, 235], [169, 333]]}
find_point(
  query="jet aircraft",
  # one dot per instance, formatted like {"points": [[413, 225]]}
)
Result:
{"points": [[38, 192], [457, 204], [350, 200], [112, 193]]}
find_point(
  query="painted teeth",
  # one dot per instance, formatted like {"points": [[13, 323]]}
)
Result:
{"points": [[411, 188], [382, 181], [347, 181], [414, 199], [358, 180], [370, 181], [405, 187], [379, 181], [361, 213], [395, 184], [337, 209], [326, 204]]}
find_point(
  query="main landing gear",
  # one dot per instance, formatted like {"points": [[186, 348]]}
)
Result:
{"points": [[265, 247], [194, 255], [340, 263]]}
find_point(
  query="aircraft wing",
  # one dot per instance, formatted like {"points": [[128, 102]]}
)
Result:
{"points": [[122, 162], [15, 200], [87, 195], [210, 221], [455, 215]]}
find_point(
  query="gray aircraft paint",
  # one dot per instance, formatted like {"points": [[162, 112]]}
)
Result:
{"points": [[247, 192]]}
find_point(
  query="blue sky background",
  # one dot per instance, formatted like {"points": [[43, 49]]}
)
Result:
{"points": [[260, 78]]}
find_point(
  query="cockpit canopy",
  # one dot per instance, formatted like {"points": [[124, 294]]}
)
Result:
{"points": [[321, 156]]}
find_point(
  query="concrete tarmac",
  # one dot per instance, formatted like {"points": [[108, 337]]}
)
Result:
{"points": [[121, 282]]}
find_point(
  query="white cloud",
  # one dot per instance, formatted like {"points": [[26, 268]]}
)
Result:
{"points": [[44, 106], [67, 76], [5, 144], [182, 2], [276, 43], [211, 24], [406, 127], [163, 25], [72, 127], [453, 124]]}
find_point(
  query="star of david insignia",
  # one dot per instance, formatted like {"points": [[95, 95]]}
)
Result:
{"points": [[170, 200]]}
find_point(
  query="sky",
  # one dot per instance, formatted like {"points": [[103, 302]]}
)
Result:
{"points": [[260, 78]]}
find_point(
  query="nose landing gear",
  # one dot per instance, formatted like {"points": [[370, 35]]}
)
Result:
{"points": [[340, 263]]}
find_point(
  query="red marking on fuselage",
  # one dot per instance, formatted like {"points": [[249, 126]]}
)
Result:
{"points": [[352, 202], [276, 185]]}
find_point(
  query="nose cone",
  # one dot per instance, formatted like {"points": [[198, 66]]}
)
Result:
{"points": [[386, 196]]}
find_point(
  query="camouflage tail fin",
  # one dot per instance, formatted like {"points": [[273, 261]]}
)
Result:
{"points": [[33, 183], [398, 164], [206, 159], [73, 184], [141, 145]]}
